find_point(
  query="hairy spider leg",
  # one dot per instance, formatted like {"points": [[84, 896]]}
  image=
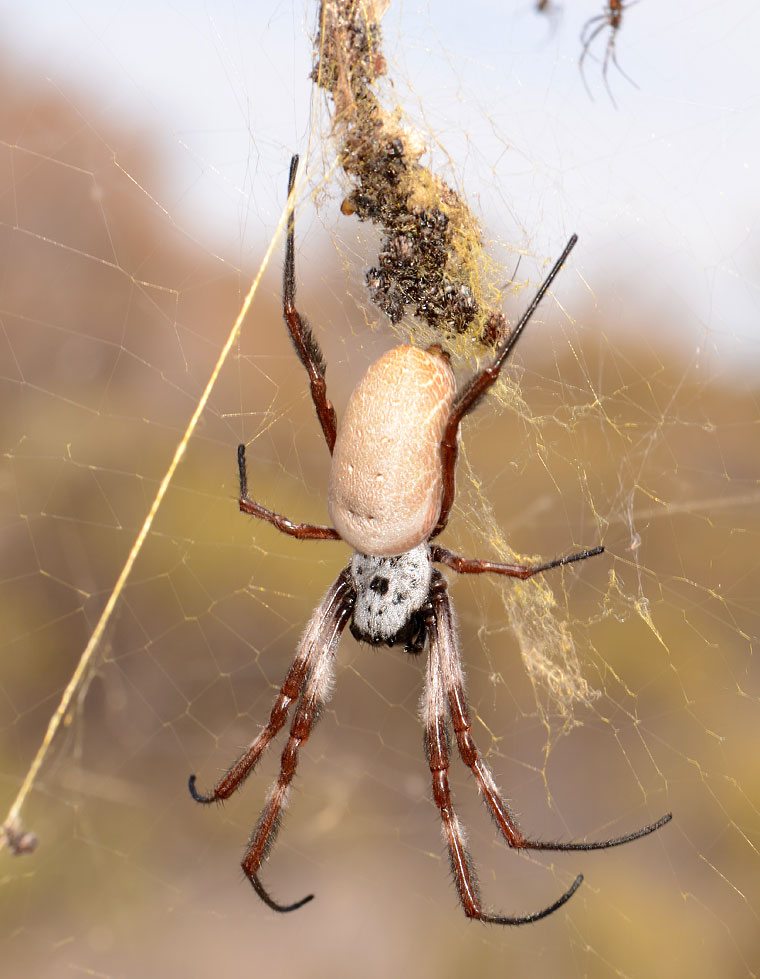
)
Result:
{"points": [[310, 677], [477, 386], [452, 678], [304, 341], [290, 690], [435, 712], [303, 531], [325, 639], [465, 565]]}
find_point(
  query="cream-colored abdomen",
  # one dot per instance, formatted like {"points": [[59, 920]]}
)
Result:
{"points": [[385, 486]]}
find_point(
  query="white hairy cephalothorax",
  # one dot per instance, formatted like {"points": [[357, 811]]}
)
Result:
{"points": [[390, 591]]}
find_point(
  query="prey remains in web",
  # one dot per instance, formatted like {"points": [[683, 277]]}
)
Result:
{"points": [[391, 490]]}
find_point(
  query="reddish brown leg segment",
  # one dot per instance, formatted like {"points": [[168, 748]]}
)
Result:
{"points": [[310, 677], [454, 692], [435, 711], [304, 341], [477, 386], [465, 565], [303, 531]]}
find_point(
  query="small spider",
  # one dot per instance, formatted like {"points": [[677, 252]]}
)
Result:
{"points": [[390, 494], [612, 18]]}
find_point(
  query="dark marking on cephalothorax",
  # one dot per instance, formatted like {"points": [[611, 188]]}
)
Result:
{"points": [[390, 592]]}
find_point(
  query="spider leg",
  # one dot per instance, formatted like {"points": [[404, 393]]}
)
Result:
{"points": [[609, 52], [453, 679], [477, 386], [309, 676], [612, 55], [464, 565], [303, 531], [586, 41], [330, 611], [601, 19], [304, 341], [435, 710], [322, 636]]}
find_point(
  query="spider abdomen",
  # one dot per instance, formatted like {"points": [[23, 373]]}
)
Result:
{"points": [[386, 485]]}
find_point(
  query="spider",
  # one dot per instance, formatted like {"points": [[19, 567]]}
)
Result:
{"points": [[390, 494], [612, 18]]}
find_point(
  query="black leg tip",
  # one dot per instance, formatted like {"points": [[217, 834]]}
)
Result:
{"points": [[528, 919], [299, 904], [294, 160], [196, 794], [243, 475], [270, 902]]}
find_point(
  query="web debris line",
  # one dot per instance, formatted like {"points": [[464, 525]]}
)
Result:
{"points": [[12, 820]]}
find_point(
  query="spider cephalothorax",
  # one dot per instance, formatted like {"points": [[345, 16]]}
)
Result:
{"points": [[390, 494], [391, 593]]}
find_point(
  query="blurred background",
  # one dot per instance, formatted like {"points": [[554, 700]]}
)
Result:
{"points": [[143, 153]]}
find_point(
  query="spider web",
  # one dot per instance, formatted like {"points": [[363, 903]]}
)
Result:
{"points": [[139, 194]]}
